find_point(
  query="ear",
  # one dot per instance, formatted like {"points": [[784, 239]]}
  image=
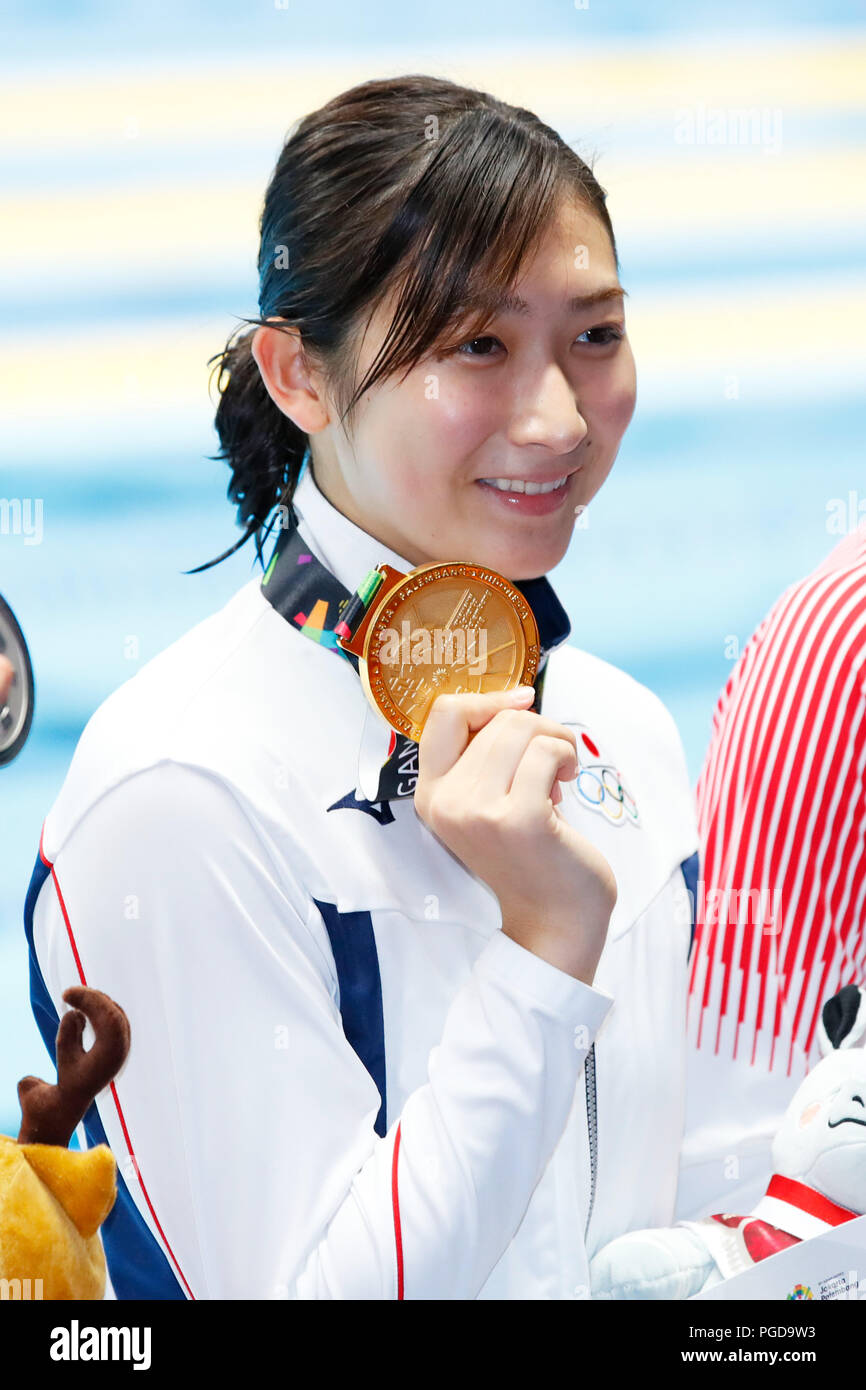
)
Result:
{"points": [[288, 377], [843, 1020], [83, 1181]]}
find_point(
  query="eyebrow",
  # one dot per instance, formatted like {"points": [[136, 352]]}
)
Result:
{"points": [[514, 304]]}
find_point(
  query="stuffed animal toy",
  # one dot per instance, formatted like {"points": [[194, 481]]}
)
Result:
{"points": [[53, 1200], [819, 1181]]}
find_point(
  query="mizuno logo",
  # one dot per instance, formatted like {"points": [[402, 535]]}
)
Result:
{"points": [[379, 810]]}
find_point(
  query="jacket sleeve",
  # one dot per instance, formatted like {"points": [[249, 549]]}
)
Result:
{"points": [[243, 1120]]}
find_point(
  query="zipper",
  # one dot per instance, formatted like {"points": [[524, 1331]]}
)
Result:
{"points": [[591, 1129], [589, 1064]]}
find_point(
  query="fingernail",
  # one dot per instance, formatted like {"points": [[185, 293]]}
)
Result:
{"points": [[520, 692]]}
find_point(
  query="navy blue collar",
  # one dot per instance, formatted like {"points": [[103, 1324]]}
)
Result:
{"points": [[313, 599]]}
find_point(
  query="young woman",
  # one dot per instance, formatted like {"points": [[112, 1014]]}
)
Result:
{"points": [[420, 1036]]}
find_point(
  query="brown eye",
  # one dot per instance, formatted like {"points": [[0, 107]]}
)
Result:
{"points": [[471, 343]]}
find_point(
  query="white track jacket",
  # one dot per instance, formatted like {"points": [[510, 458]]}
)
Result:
{"points": [[344, 1080]]}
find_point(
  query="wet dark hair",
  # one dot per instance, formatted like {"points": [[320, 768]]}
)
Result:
{"points": [[411, 184]]}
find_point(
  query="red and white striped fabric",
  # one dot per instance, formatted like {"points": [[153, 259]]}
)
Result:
{"points": [[781, 907]]}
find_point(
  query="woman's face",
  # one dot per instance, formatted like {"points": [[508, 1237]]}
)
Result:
{"points": [[544, 393]]}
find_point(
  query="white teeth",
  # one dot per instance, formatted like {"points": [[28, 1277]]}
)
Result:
{"points": [[520, 485]]}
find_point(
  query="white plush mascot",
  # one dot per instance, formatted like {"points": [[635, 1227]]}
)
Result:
{"points": [[819, 1181]]}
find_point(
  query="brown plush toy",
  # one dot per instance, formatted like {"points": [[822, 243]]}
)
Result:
{"points": [[52, 1199]]}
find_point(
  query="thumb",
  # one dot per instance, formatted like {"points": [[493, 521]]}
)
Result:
{"points": [[453, 719]]}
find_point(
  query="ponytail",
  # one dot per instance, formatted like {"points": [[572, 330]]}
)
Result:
{"points": [[262, 446]]}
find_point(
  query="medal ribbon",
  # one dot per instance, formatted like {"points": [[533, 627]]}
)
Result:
{"points": [[312, 599]]}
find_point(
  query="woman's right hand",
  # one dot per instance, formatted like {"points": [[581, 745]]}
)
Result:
{"points": [[488, 779]]}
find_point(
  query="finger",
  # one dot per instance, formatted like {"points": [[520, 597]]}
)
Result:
{"points": [[454, 718], [7, 675], [546, 760], [492, 759]]}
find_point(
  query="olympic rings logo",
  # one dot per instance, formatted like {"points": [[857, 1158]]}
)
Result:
{"points": [[598, 784]]}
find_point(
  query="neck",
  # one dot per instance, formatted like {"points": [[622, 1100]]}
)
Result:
{"points": [[335, 492]]}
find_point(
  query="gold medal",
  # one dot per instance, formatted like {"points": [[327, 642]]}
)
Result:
{"points": [[441, 628]]}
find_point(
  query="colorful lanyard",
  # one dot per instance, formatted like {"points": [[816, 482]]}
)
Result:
{"points": [[312, 599]]}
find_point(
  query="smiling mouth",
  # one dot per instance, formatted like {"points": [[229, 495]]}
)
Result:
{"points": [[848, 1120], [530, 486]]}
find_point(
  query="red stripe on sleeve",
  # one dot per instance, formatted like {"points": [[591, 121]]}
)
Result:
{"points": [[120, 1115], [395, 1200]]}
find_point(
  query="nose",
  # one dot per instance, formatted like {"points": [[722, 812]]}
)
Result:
{"points": [[548, 414]]}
